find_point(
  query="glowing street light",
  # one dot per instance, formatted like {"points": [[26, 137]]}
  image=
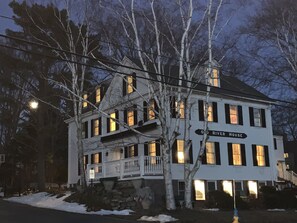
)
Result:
{"points": [[33, 104]]}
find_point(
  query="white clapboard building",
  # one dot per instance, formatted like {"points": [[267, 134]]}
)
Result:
{"points": [[241, 146]]}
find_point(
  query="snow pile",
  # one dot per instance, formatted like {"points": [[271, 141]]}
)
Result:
{"points": [[276, 209], [211, 209], [161, 218], [45, 200], [1, 194]]}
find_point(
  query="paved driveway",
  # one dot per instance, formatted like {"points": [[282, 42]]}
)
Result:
{"points": [[11, 212]]}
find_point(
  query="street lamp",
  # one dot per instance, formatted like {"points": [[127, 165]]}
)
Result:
{"points": [[33, 104]]}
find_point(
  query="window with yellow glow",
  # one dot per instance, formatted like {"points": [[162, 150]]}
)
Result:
{"points": [[233, 114], [96, 126], [180, 109], [236, 153], [130, 88], [130, 117], [228, 187], [151, 110], [260, 155], [199, 190], [210, 153], [180, 151], [112, 122], [253, 188], [97, 158], [85, 103], [152, 152], [98, 95], [214, 80], [286, 155], [209, 112]]}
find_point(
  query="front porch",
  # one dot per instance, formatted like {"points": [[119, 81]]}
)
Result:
{"points": [[128, 168]]}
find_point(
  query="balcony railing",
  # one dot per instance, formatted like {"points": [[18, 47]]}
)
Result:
{"points": [[287, 175], [127, 168]]}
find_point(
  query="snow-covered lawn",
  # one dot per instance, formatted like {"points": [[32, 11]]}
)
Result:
{"points": [[45, 200]]}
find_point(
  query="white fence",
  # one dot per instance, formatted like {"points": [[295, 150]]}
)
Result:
{"points": [[287, 175]]}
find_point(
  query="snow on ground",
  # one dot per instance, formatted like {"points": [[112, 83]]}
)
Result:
{"points": [[276, 209], [161, 218], [45, 200], [211, 209]]}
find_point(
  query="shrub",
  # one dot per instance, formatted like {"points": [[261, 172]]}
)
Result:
{"points": [[219, 199]]}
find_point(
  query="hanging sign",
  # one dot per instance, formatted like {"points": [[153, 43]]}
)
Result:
{"points": [[239, 135]]}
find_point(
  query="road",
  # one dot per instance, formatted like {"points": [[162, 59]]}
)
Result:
{"points": [[11, 212]]}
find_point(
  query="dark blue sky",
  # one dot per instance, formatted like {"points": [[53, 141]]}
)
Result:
{"points": [[5, 10]]}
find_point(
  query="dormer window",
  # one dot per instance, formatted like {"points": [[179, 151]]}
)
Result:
{"points": [[98, 95], [129, 84], [214, 78], [85, 103]]}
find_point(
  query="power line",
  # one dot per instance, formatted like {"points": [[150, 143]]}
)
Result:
{"points": [[140, 77]]}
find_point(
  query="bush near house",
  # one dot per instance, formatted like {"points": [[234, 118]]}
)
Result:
{"points": [[272, 198]]}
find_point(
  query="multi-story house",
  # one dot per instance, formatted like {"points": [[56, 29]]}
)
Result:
{"points": [[240, 146]]}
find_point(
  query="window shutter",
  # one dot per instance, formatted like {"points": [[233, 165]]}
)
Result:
{"points": [[145, 149], [92, 158], [201, 110], [243, 156], [102, 92], [100, 157], [230, 154], [274, 143], [92, 127], [254, 150], [215, 111], [218, 155], [156, 108], [203, 158], [124, 85], [86, 130], [172, 107], [135, 114], [136, 150], [126, 152], [240, 120], [263, 118], [252, 120], [174, 152], [158, 151], [227, 114], [117, 118], [191, 153], [266, 155], [100, 126], [145, 111], [125, 116], [134, 80], [107, 125]]}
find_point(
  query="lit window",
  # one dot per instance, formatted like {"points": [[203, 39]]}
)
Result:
{"points": [[152, 152], [180, 109], [112, 122], [180, 151], [85, 103], [98, 95], [253, 188], [130, 88], [210, 113], [151, 110], [214, 80], [130, 117], [236, 153], [286, 155], [210, 153], [233, 114], [228, 187], [199, 190], [260, 155], [96, 127], [97, 158]]}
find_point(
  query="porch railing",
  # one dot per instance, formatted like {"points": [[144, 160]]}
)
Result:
{"points": [[287, 175], [127, 168]]}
